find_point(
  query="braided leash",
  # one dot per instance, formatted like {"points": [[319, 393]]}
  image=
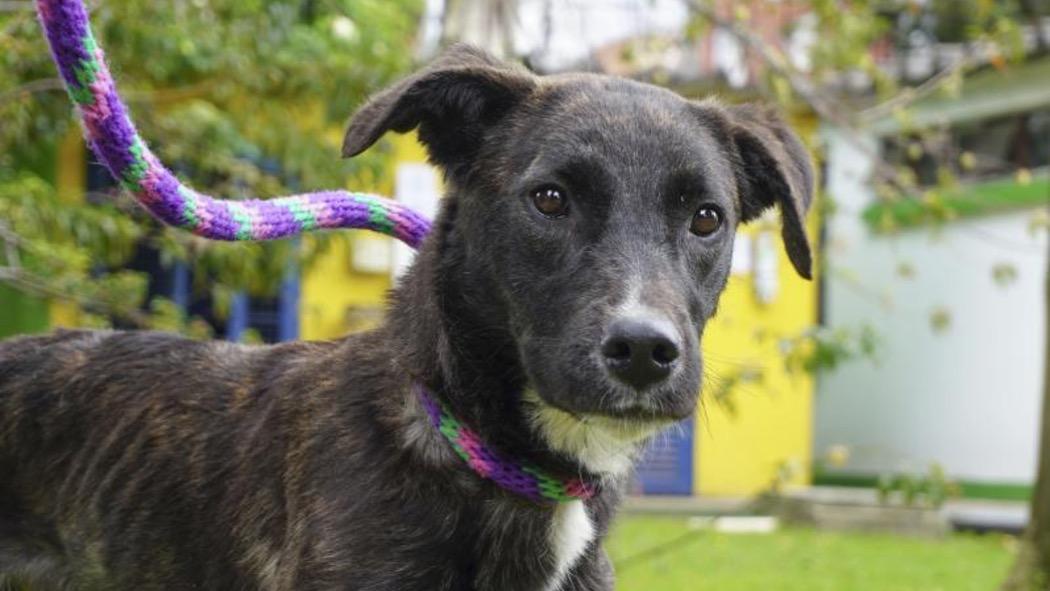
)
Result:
{"points": [[118, 145], [113, 138]]}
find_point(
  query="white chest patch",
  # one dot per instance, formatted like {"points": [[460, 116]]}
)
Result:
{"points": [[603, 445], [570, 534]]}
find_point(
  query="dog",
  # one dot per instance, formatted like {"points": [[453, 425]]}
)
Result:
{"points": [[555, 312]]}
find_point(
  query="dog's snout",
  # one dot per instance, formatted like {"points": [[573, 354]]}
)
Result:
{"points": [[640, 351]]}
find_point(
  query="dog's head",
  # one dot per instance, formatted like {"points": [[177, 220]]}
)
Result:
{"points": [[602, 212]]}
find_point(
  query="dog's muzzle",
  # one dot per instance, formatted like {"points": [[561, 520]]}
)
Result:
{"points": [[640, 351]]}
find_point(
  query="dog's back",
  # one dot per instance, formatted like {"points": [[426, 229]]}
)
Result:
{"points": [[27, 543], [116, 448]]}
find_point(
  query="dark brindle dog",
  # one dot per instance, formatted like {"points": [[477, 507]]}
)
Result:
{"points": [[555, 309]]}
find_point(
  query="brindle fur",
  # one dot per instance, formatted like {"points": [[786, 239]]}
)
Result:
{"points": [[137, 460]]}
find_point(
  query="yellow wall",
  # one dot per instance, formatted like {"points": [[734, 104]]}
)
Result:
{"points": [[70, 180], [335, 299], [740, 444], [766, 425]]}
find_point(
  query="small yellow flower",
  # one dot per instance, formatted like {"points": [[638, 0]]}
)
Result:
{"points": [[837, 455]]}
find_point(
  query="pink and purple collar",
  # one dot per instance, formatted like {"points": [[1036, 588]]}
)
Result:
{"points": [[520, 478]]}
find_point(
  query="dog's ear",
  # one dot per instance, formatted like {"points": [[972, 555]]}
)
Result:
{"points": [[452, 102], [774, 168]]}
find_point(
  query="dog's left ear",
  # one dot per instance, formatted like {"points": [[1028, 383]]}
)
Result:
{"points": [[775, 168], [453, 102]]}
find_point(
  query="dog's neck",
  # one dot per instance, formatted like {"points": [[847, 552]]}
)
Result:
{"points": [[452, 336]]}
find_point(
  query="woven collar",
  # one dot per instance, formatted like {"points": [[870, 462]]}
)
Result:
{"points": [[520, 478]]}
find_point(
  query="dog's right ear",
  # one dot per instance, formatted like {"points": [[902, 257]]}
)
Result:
{"points": [[453, 101], [776, 168], [773, 168]]}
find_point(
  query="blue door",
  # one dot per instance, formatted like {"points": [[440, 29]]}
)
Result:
{"points": [[666, 467], [276, 319]]}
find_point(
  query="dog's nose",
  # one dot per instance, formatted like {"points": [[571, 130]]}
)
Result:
{"points": [[640, 351]]}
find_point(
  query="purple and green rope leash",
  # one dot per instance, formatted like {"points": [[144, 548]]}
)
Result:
{"points": [[115, 141], [118, 145]]}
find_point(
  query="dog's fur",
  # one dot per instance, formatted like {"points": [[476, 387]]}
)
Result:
{"points": [[148, 461]]}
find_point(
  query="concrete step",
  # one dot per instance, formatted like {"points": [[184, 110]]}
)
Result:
{"points": [[850, 508], [987, 516]]}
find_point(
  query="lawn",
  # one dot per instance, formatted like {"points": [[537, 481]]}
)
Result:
{"points": [[664, 554]]}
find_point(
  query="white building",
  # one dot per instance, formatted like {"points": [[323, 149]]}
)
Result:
{"points": [[959, 307]]}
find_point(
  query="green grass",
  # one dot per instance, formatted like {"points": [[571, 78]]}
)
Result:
{"points": [[648, 558]]}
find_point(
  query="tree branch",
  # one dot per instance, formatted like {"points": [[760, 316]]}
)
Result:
{"points": [[35, 285], [10, 239], [42, 85], [910, 95], [13, 274], [15, 5], [823, 106]]}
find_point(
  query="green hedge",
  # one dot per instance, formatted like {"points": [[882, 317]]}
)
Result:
{"points": [[21, 314], [968, 201], [970, 490]]}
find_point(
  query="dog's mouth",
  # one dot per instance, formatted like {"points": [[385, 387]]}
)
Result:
{"points": [[615, 404], [572, 375], [606, 443]]}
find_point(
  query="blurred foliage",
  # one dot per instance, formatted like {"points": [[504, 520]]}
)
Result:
{"points": [[241, 97], [1004, 274], [822, 348], [849, 30], [931, 489], [940, 319], [936, 207], [855, 74], [814, 350], [723, 388], [848, 79]]}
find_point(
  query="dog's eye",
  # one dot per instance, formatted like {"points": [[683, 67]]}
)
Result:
{"points": [[707, 220], [550, 201]]}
